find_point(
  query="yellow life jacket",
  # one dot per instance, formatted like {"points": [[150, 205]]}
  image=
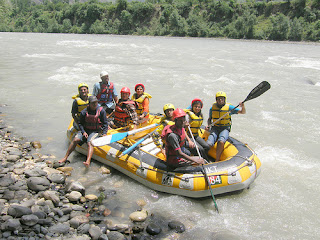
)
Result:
{"points": [[81, 104], [195, 122], [139, 101], [219, 112], [164, 122]]}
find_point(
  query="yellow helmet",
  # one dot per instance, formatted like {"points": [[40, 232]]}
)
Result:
{"points": [[221, 94], [168, 106], [83, 85]]}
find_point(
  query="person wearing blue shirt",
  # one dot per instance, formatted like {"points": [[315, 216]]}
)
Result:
{"points": [[219, 122]]}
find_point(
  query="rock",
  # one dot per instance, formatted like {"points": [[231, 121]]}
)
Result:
{"points": [[6, 180], [95, 232], [49, 170], [36, 144], [8, 194], [21, 194], [40, 214], [113, 235], [65, 169], [13, 158], [29, 220], [91, 197], [61, 228], [18, 171], [57, 178], [17, 211], [83, 228], [106, 212], [74, 196], [36, 172], [103, 237], [76, 186], [53, 196], [38, 184], [76, 221], [141, 202], [104, 170], [177, 226], [20, 185], [14, 151], [153, 229], [138, 216], [12, 224]]}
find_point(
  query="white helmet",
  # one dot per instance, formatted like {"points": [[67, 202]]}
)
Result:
{"points": [[104, 73]]}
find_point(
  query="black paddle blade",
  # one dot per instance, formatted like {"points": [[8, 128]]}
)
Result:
{"points": [[258, 90]]}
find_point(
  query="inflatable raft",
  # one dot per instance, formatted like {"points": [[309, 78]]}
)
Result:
{"points": [[238, 168]]}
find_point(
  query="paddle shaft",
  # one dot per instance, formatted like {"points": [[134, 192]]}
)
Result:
{"points": [[195, 143]]}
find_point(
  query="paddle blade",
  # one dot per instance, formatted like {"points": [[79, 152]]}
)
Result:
{"points": [[258, 90], [98, 142]]}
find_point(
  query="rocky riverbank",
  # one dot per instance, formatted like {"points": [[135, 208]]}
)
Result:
{"points": [[38, 201]]}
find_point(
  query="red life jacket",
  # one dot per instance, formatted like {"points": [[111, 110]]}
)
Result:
{"points": [[92, 122], [172, 156], [120, 114], [106, 93]]}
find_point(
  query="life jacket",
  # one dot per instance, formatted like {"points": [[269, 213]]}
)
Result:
{"points": [[164, 122], [92, 122], [195, 123], [81, 104], [139, 102], [120, 114], [106, 92], [219, 112], [172, 157]]}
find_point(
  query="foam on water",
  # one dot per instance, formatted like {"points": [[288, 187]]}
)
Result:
{"points": [[295, 62], [47, 55]]}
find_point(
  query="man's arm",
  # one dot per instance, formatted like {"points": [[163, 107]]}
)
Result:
{"points": [[96, 89], [104, 122]]}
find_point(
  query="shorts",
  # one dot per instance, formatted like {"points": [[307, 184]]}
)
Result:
{"points": [[218, 134], [83, 140]]}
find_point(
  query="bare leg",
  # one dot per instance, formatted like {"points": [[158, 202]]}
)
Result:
{"points": [[71, 148], [89, 156], [220, 148]]}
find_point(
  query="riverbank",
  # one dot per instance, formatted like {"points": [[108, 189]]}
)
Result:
{"points": [[38, 201]]}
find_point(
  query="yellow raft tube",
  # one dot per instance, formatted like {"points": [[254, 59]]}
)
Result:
{"points": [[238, 168]]}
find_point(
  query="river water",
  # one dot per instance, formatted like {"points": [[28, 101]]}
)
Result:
{"points": [[40, 72]]}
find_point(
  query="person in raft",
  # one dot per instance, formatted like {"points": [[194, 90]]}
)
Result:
{"points": [[219, 132], [80, 102], [195, 118], [125, 111], [165, 120], [175, 136], [142, 100], [105, 92], [93, 121]]}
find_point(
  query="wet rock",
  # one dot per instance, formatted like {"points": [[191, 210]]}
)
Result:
{"points": [[75, 186], [113, 235], [53, 196], [74, 196], [38, 184], [153, 229], [29, 220], [17, 211], [65, 169], [177, 226], [91, 197], [57, 178], [61, 228], [83, 228], [141, 202], [106, 212], [138, 216], [95, 232], [36, 172], [36, 144], [137, 228], [76, 221], [104, 170]]}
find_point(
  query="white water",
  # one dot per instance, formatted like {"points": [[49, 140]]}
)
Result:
{"points": [[40, 72]]}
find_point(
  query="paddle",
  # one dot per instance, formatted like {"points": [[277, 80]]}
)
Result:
{"points": [[131, 148], [204, 172], [256, 92], [119, 136]]}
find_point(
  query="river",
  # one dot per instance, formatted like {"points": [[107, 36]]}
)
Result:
{"points": [[40, 72]]}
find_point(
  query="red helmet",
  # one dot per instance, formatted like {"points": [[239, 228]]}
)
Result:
{"points": [[178, 113], [196, 100], [139, 84], [125, 90]]}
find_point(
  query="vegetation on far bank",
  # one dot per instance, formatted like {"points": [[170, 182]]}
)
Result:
{"points": [[294, 20]]}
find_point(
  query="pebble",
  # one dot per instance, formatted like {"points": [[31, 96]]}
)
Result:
{"points": [[91, 197], [139, 216]]}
